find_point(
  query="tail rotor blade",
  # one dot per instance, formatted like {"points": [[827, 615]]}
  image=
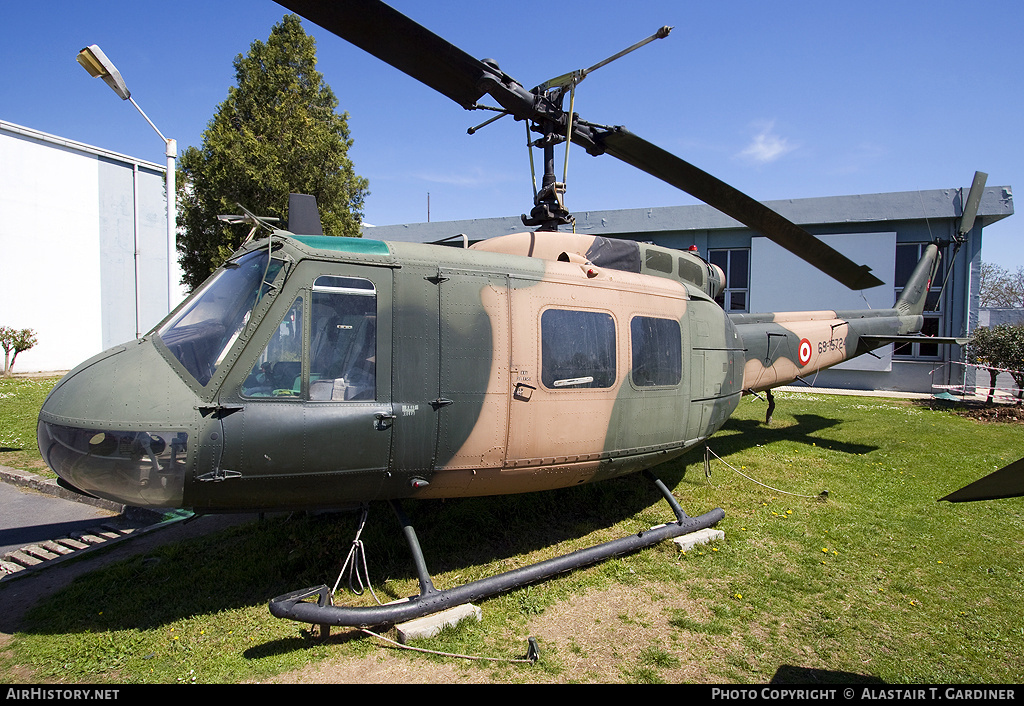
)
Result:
{"points": [[970, 208]]}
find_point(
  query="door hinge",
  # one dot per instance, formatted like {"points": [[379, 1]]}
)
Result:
{"points": [[218, 475], [441, 402]]}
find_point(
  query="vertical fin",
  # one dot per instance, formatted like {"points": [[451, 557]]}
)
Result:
{"points": [[912, 299]]}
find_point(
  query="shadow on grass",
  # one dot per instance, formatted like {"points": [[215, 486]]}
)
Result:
{"points": [[247, 565], [789, 674], [807, 430], [288, 645]]}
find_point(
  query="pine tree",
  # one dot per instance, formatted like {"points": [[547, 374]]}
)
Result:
{"points": [[276, 133]]}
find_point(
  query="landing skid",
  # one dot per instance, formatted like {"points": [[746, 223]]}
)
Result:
{"points": [[296, 606]]}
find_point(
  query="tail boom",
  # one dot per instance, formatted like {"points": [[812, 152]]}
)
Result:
{"points": [[781, 347]]}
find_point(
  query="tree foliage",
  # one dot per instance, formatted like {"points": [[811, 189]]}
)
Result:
{"points": [[1001, 288], [999, 349], [15, 341], [277, 133]]}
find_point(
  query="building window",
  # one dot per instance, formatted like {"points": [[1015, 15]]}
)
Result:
{"points": [[657, 351], [736, 266], [578, 349], [907, 257]]}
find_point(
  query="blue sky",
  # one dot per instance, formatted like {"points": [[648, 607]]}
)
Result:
{"points": [[787, 99]]}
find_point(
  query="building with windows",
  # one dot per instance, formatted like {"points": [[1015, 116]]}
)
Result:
{"points": [[886, 232]]}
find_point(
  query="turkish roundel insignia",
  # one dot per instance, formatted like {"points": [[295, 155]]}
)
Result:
{"points": [[804, 352]]}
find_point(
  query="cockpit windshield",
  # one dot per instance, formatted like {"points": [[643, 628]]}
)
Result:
{"points": [[202, 333]]}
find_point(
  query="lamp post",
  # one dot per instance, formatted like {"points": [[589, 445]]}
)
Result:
{"points": [[98, 65]]}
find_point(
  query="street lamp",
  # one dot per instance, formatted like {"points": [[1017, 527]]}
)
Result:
{"points": [[98, 65]]}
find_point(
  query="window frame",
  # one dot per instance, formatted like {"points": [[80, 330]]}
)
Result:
{"points": [[639, 353], [934, 319], [301, 299], [322, 286], [306, 301], [725, 297], [549, 367]]}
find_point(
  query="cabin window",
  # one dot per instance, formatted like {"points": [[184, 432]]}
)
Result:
{"points": [[343, 339], [907, 257], [578, 349], [657, 351], [278, 370], [658, 261], [736, 266], [691, 271]]}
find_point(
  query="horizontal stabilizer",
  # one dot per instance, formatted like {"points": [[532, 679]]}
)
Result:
{"points": [[942, 340], [1007, 482]]}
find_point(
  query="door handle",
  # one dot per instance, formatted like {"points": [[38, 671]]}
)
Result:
{"points": [[382, 421], [523, 392]]}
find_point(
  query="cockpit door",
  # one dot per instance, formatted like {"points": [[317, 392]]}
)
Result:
{"points": [[307, 411]]}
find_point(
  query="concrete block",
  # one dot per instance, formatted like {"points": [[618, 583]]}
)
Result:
{"points": [[704, 536], [430, 625], [20, 557], [7, 567], [38, 552]]}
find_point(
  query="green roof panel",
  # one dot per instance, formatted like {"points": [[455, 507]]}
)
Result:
{"points": [[343, 244]]}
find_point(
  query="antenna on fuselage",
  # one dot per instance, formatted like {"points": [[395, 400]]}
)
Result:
{"points": [[248, 216]]}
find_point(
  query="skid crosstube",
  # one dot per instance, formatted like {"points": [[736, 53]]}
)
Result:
{"points": [[295, 606]]}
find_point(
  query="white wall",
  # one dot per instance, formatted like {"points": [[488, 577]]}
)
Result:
{"points": [[83, 247], [50, 251], [802, 287]]}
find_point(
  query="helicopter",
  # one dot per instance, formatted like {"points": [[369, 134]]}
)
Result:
{"points": [[312, 372]]}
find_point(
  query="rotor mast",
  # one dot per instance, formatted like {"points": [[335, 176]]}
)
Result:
{"points": [[549, 211]]}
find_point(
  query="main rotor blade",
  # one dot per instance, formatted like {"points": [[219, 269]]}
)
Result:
{"points": [[643, 155], [394, 38]]}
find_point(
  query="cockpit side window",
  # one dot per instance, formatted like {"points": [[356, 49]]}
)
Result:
{"points": [[342, 346], [343, 339], [278, 370]]}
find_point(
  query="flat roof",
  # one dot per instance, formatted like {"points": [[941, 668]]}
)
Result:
{"points": [[38, 136], [935, 204]]}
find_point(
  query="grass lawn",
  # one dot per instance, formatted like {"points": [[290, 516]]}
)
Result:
{"points": [[20, 400], [878, 582]]}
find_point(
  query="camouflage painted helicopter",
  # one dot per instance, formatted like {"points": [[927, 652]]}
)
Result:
{"points": [[314, 372]]}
